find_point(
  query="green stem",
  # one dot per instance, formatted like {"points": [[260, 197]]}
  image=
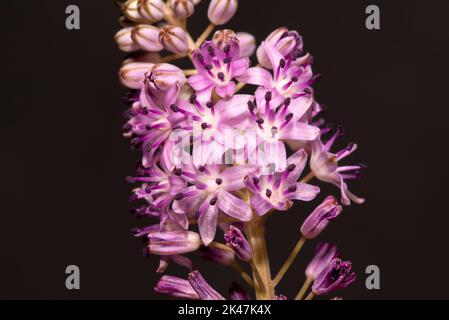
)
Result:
{"points": [[255, 230]]}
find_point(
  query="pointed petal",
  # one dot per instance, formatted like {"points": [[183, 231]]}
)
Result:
{"points": [[299, 131], [239, 66], [257, 76], [233, 178], [207, 222], [260, 205], [200, 82], [304, 192], [234, 207], [226, 91]]}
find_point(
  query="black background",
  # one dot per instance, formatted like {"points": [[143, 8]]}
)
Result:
{"points": [[63, 194]]}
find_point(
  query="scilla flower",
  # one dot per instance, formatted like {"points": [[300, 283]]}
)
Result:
{"points": [[218, 67], [318, 220]]}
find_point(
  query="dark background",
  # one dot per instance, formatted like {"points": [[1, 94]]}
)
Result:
{"points": [[63, 195]]}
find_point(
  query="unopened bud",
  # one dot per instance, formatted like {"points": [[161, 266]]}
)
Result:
{"points": [[130, 10], [225, 37], [163, 76], [182, 8], [133, 73], [174, 39], [147, 37], [221, 11], [125, 41], [247, 44], [151, 10]]}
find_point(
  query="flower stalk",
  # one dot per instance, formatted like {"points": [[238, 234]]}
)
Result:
{"points": [[291, 258]]}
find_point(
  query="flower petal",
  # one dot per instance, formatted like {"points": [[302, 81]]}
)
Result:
{"points": [[304, 192], [200, 82], [207, 221], [260, 205], [257, 76], [226, 91], [234, 207], [299, 131], [233, 178], [239, 66]]}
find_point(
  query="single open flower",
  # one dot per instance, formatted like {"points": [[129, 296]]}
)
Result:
{"points": [[176, 287], [235, 239], [202, 288], [337, 274], [278, 190], [218, 67], [210, 191], [325, 166], [318, 220]]}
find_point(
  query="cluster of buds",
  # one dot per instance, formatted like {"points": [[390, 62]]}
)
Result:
{"points": [[214, 160]]}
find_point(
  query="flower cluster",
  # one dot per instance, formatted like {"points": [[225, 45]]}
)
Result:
{"points": [[215, 159]]}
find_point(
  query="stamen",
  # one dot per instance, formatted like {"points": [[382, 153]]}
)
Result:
{"points": [[282, 63], [192, 98], [178, 196], [221, 76], [268, 96], [268, 193], [204, 125], [178, 171], [174, 108], [213, 201], [211, 51], [291, 167]]}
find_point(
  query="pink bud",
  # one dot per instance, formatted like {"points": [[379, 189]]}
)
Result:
{"points": [[163, 76], [182, 8], [133, 73], [151, 10], [225, 37], [147, 37], [125, 41], [247, 44], [130, 10], [174, 39], [221, 11]]}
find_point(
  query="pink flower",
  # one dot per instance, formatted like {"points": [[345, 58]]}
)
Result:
{"points": [[288, 79], [324, 165], [211, 192], [217, 68], [278, 190]]}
